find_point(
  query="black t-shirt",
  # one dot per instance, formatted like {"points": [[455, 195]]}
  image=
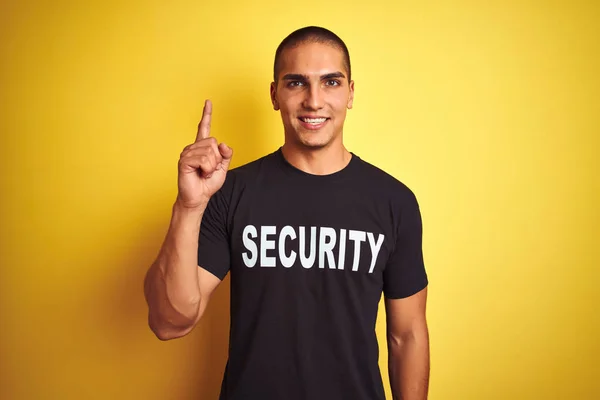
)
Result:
{"points": [[309, 257]]}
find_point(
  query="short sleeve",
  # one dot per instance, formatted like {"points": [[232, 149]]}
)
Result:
{"points": [[405, 274], [213, 242]]}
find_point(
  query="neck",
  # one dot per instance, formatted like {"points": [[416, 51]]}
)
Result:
{"points": [[317, 161]]}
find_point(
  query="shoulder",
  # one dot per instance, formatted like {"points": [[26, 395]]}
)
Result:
{"points": [[383, 183]]}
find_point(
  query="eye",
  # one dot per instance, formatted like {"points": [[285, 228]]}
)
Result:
{"points": [[295, 83], [333, 82]]}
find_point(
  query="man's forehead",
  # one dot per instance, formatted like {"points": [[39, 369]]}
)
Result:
{"points": [[313, 52], [312, 59]]}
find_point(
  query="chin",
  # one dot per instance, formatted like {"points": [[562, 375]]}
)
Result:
{"points": [[315, 141], [315, 146]]}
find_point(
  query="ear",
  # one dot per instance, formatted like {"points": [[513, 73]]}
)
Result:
{"points": [[274, 96], [351, 97]]}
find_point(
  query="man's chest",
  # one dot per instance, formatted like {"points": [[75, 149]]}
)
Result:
{"points": [[337, 231]]}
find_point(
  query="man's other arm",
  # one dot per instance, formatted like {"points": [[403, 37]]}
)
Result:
{"points": [[408, 346]]}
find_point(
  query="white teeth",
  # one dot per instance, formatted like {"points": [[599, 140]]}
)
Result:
{"points": [[314, 120]]}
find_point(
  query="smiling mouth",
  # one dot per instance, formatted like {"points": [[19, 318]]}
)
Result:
{"points": [[313, 121]]}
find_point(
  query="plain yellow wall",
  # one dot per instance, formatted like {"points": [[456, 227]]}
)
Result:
{"points": [[489, 111]]}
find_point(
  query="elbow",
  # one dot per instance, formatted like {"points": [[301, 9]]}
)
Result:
{"points": [[395, 340], [170, 318], [398, 340], [165, 331], [168, 334], [168, 321], [168, 329], [163, 334]]}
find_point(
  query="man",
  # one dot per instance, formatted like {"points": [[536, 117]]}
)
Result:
{"points": [[312, 236]]}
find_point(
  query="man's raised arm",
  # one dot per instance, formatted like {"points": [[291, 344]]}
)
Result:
{"points": [[176, 289]]}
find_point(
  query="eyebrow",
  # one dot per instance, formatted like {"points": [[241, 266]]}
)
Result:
{"points": [[300, 77]]}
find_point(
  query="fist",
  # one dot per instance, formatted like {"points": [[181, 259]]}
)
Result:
{"points": [[203, 165]]}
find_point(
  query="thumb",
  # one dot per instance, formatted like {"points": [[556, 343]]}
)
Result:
{"points": [[227, 154]]}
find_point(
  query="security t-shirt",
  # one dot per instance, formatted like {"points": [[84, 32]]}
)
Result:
{"points": [[309, 258]]}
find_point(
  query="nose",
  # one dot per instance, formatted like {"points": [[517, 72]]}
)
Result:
{"points": [[314, 98]]}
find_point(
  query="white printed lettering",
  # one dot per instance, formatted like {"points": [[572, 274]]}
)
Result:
{"points": [[285, 260], [266, 244], [326, 245], [250, 232], [308, 262], [342, 254], [357, 237], [375, 247], [289, 246]]}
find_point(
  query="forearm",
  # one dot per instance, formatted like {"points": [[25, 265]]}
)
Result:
{"points": [[171, 286], [408, 364]]}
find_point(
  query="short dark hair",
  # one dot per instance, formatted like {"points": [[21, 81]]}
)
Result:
{"points": [[311, 34]]}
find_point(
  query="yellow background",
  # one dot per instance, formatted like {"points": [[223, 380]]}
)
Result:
{"points": [[489, 111]]}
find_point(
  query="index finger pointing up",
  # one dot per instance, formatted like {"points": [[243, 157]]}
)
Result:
{"points": [[204, 125]]}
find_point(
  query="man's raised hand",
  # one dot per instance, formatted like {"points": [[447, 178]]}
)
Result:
{"points": [[203, 165]]}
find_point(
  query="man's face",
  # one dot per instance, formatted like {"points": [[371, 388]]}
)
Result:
{"points": [[313, 94]]}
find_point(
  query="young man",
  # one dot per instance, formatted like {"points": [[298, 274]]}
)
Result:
{"points": [[312, 236]]}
